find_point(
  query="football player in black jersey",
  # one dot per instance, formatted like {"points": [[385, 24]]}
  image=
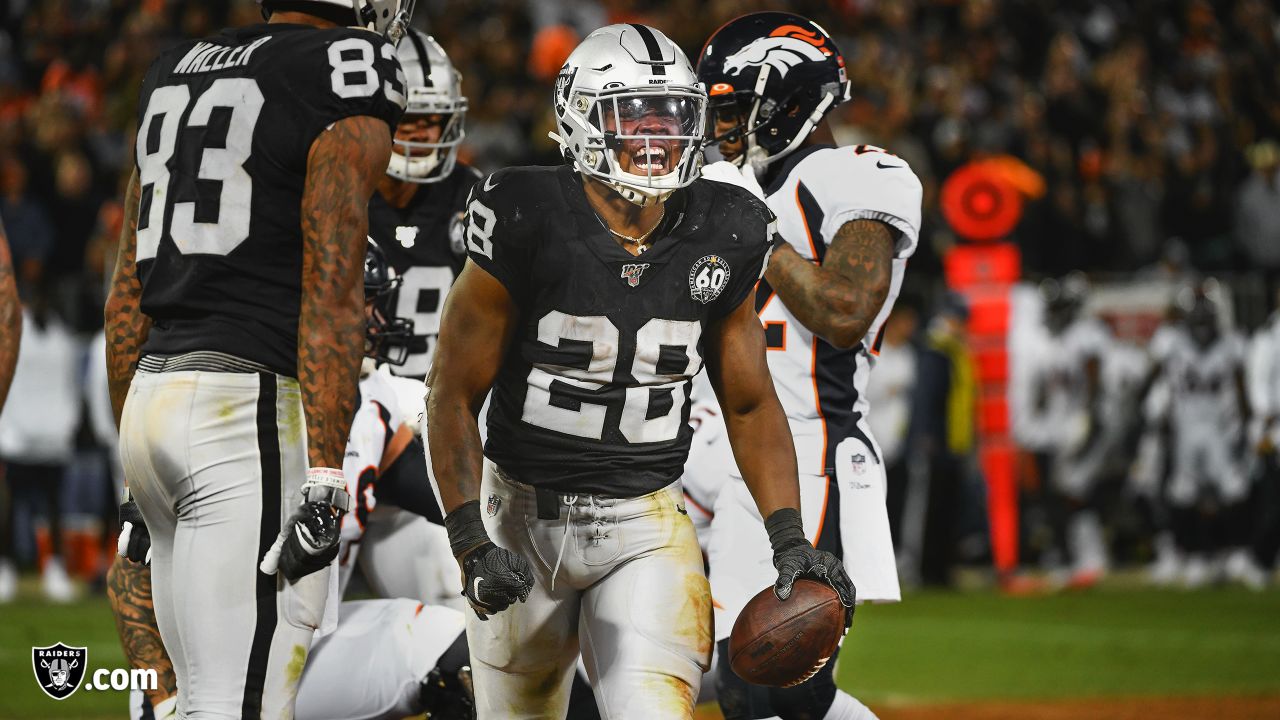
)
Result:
{"points": [[416, 214], [235, 327], [594, 292]]}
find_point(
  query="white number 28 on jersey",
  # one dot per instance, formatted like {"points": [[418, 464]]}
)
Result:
{"points": [[563, 398]]}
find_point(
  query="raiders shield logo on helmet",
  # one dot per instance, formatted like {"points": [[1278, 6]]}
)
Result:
{"points": [[59, 669]]}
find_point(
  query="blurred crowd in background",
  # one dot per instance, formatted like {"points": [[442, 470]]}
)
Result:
{"points": [[1150, 128]]}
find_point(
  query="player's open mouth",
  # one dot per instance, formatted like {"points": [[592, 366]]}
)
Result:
{"points": [[650, 160]]}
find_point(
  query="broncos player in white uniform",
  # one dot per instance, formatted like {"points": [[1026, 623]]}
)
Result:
{"points": [[1209, 483], [848, 219]]}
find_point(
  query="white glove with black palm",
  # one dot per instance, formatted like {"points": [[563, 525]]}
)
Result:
{"points": [[135, 540]]}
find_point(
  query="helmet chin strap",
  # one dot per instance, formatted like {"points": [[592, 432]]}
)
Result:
{"points": [[644, 197], [413, 167]]}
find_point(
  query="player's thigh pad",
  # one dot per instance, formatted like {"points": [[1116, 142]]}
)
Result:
{"points": [[523, 657], [646, 626]]}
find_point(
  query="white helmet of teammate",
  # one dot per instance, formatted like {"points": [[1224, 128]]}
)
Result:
{"points": [[434, 89], [385, 17], [630, 112]]}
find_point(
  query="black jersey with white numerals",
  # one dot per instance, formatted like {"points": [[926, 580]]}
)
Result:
{"points": [[593, 394], [225, 125], [419, 243]]}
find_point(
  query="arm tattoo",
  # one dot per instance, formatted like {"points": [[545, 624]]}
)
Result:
{"points": [[129, 590], [10, 318], [343, 168], [839, 299], [125, 324]]}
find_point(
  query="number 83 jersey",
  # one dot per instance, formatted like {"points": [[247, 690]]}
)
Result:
{"points": [[225, 126], [593, 393]]}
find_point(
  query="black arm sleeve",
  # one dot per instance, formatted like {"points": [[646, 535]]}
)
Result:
{"points": [[405, 484]]}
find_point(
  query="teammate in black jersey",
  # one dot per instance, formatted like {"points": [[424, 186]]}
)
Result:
{"points": [[595, 291], [235, 326], [416, 214]]}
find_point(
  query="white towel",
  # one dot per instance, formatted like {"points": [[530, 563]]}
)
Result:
{"points": [[864, 523]]}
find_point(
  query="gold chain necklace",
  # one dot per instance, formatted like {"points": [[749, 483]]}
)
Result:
{"points": [[637, 241]]}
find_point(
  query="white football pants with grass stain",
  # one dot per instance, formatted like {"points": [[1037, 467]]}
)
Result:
{"points": [[620, 579], [216, 461]]}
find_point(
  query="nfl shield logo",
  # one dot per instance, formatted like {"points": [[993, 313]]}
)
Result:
{"points": [[859, 464], [631, 273], [492, 506], [59, 669]]}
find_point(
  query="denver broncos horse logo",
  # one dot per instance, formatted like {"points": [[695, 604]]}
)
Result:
{"points": [[783, 49]]}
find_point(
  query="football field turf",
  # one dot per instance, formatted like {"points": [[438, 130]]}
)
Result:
{"points": [[1109, 653]]}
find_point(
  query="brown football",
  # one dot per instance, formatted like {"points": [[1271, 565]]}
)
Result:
{"points": [[781, 644]]}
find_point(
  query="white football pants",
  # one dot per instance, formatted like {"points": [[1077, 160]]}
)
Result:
{"points": [[620, 579], [216, 461]]}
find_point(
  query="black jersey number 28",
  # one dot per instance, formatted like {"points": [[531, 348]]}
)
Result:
{"points": [[172, 109]]}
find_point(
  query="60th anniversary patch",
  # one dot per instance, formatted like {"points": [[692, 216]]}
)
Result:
{"points": [[707, 278]]}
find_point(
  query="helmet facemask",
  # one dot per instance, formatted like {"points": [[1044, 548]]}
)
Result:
{"points": [[419, 161], [643, 143], [387, 338]]}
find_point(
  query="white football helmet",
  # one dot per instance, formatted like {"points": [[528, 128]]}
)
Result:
{"points": [[630, 112], [434, 88], [389, 18]]}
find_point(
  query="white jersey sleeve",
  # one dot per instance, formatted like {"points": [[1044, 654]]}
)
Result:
{"points": [[834, 186], [375, 423]]}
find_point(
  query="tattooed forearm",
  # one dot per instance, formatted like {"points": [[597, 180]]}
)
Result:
{"points": [[343, 168], [129, 590], [125, 325], [10, 318], [839, 299]]}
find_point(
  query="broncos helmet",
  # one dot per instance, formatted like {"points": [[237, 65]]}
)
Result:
{"points": [[387, 338], [630, 113], [434, 89], [389, 18], [774, 75]]}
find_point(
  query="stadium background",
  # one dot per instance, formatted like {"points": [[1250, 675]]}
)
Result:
{"points": [[1132, 141]]}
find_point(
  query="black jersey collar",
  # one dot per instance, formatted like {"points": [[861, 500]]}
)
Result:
{"points": [[591, 230]]}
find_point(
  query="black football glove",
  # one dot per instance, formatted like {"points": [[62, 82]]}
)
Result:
{"points": [[794, 557], [494, 578], [309, 542], [135, 541]]}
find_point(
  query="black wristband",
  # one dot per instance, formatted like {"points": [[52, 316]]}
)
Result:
{"points": [[465, 528], [785, 528]]}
